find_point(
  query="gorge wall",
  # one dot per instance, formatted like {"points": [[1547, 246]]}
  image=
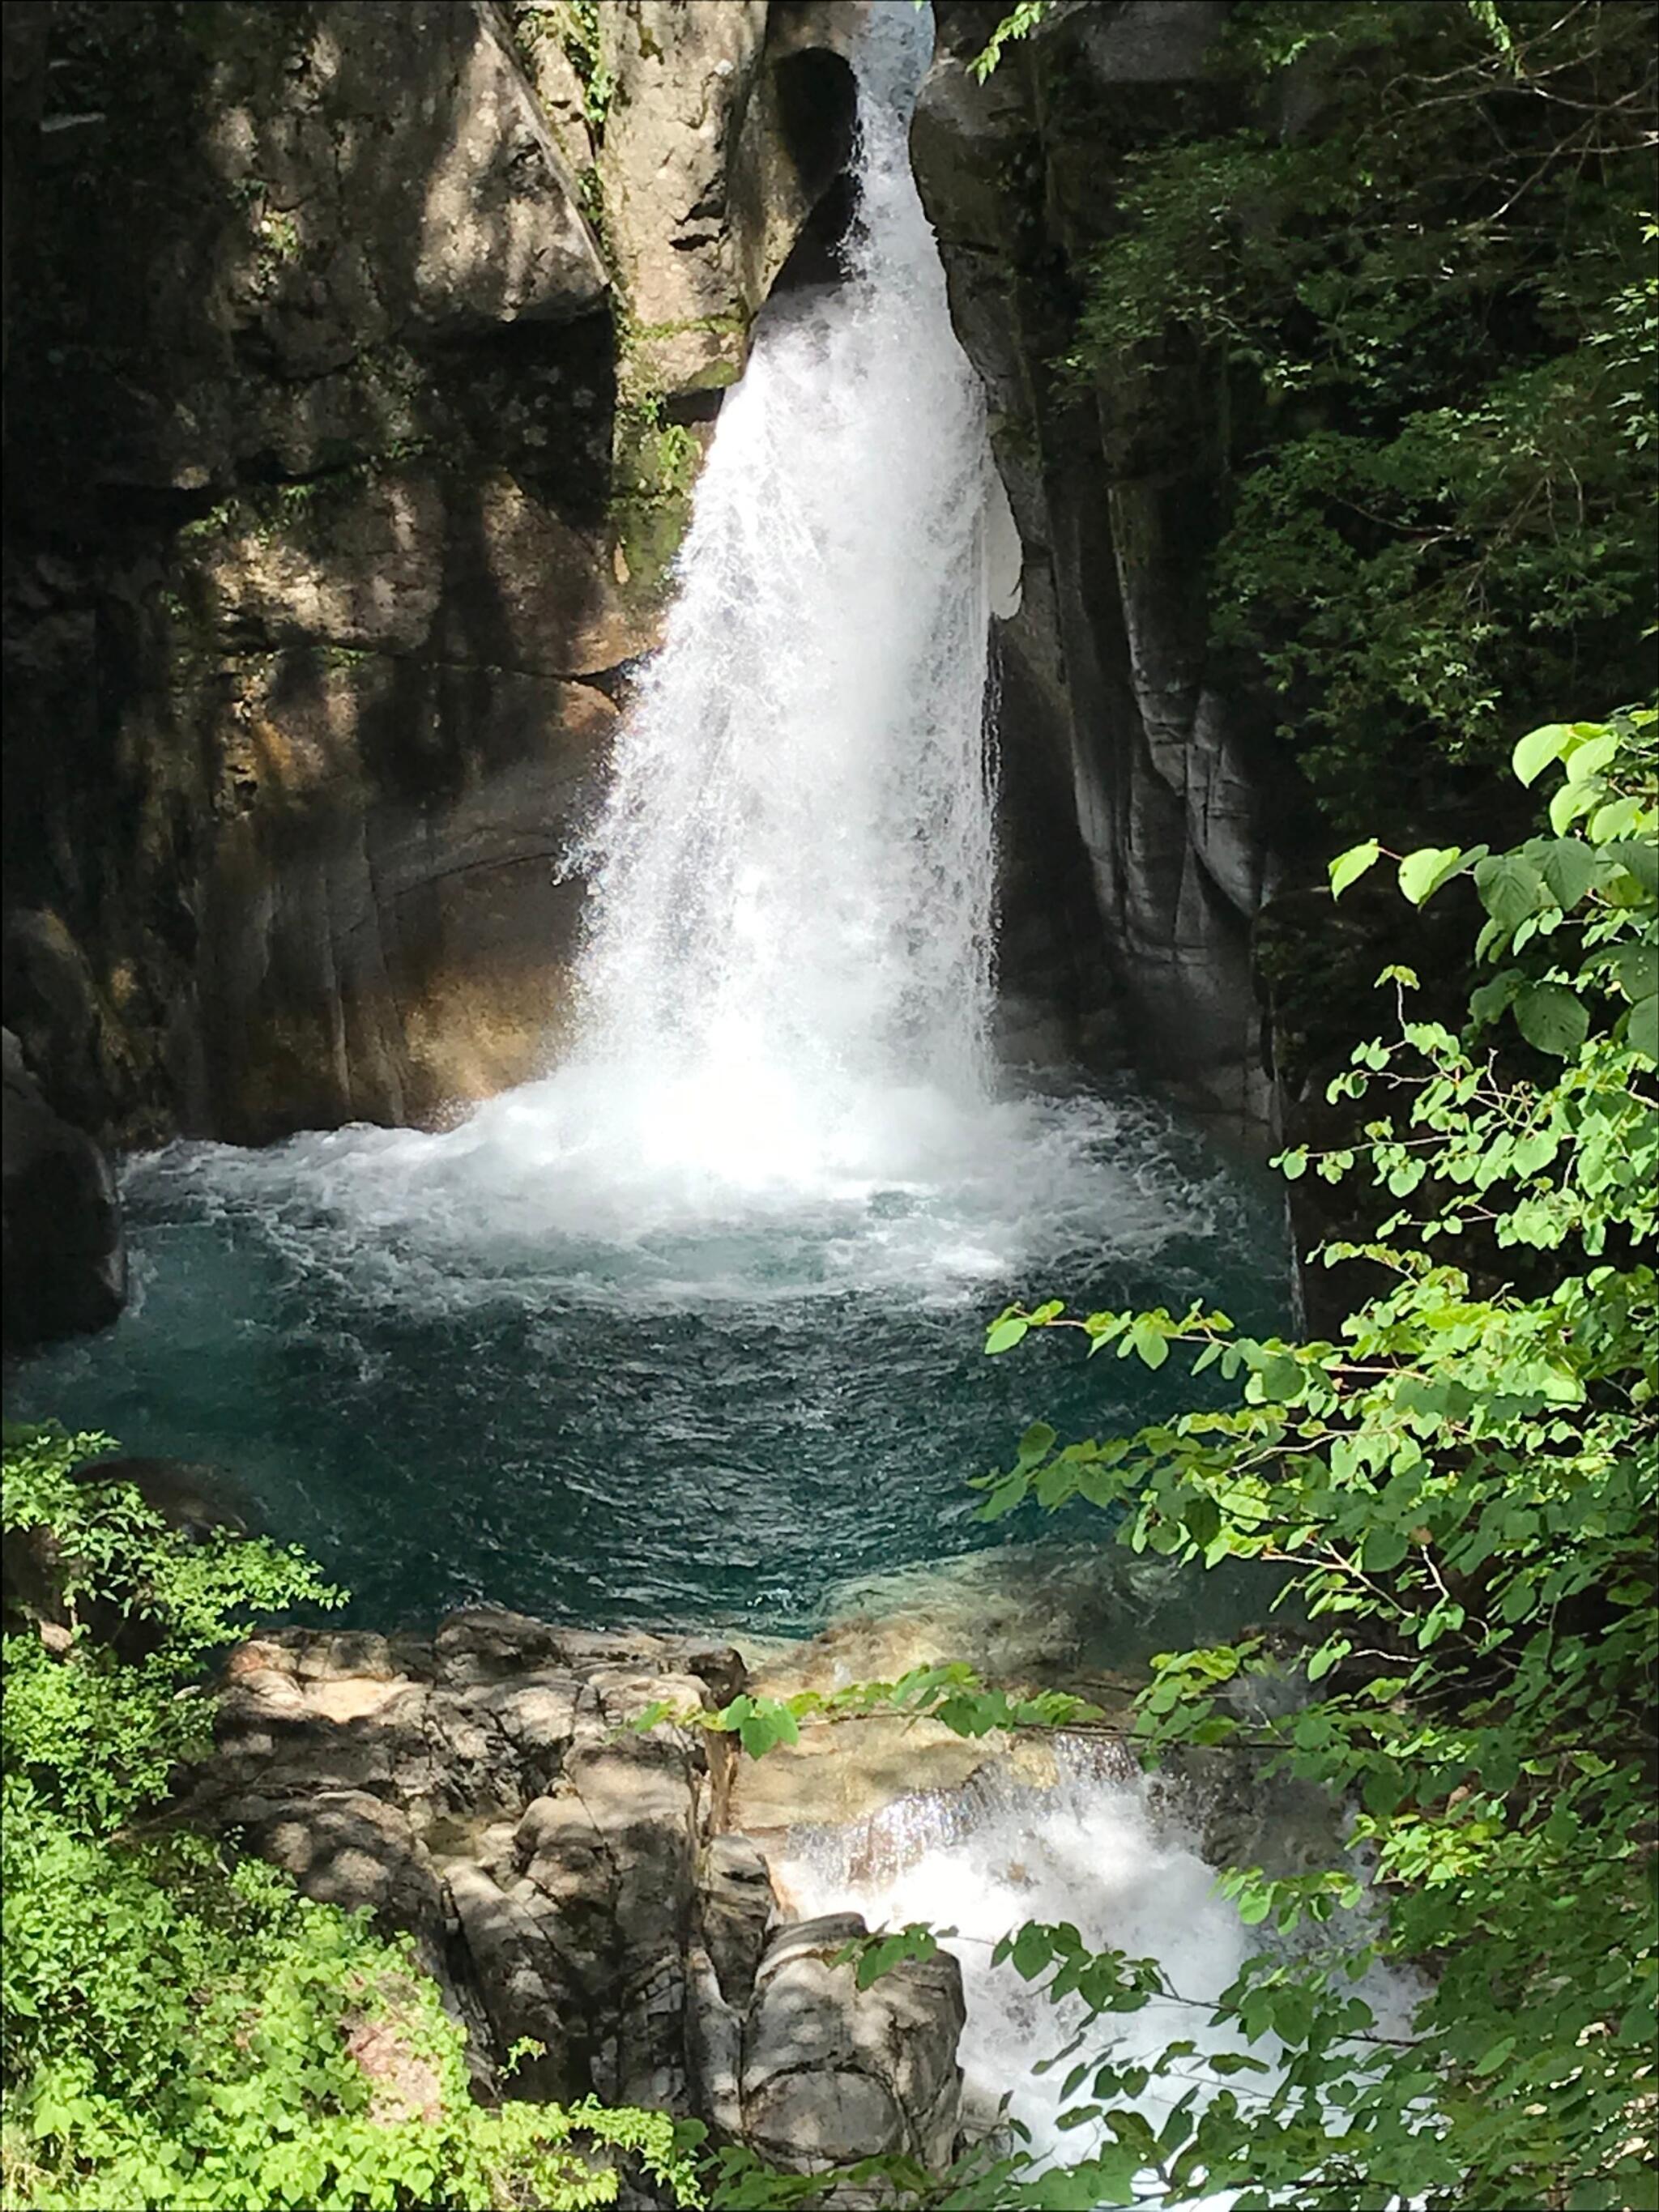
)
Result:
{"points": [[1143, 771], [359, 359]]}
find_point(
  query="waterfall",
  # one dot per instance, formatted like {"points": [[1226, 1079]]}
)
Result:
{"points": [[793, 873], [689, 1330]]}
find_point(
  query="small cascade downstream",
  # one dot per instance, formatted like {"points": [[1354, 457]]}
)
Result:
{"points": [[1095, 1845], [689, 1329]]}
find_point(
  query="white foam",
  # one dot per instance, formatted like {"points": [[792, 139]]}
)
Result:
{"points": [[1101, 1850]]}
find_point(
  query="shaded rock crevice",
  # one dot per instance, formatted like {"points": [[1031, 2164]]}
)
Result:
{"points": [[1166, 849]]}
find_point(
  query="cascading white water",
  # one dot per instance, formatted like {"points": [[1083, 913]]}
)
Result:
{"points": [[794, 870], [1097, 1846], [780, 1081]]}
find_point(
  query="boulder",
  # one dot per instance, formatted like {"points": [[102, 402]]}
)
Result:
{"points": [[488, 1644], [831, 2072], [613, 1850], [522, 1982], [352, 1848], [64, 1266]]}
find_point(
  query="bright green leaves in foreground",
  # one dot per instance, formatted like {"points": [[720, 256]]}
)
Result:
{"points": [[1599, 869], [180, 2028], [1460, 1495]]}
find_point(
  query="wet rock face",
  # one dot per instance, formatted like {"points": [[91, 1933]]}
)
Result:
{"points": [[322, 571], [64, 1258], [570, 1879], [1142, 776], [307, 564]]}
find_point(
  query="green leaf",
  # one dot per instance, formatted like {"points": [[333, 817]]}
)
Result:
{"points": [[1636, 967], [1005, 1333], [1511, 888], [1492, 998], [1330, 1654], [1613, 821], [877, 1953], [1202, 1521], [1590, 756], [1553, 1018], [1383, 1550], [1568, 804], [1149, 1340], [1348, 867], [1638, 858], [1422, 872], [1534, 753], [1568, 868], [766, 1724], [1005, 1495], [1032, 1950]]}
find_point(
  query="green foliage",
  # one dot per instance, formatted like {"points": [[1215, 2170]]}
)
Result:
{"points": [[96, 1736], [654, 465], [879, 1952], [950, 1693], [584, 43], [574, 24], [1605, 876], [179, 2028], [1420, 247], [1457, 1500], [1460, 1496], [656, 460], [1019, 23]]}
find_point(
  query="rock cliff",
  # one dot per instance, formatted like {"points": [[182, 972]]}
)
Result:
{"points": [[360, 364], [360, 361], [1154, 850]]}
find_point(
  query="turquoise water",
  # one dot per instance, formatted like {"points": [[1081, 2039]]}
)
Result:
{"points": [[720, 1415]]}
